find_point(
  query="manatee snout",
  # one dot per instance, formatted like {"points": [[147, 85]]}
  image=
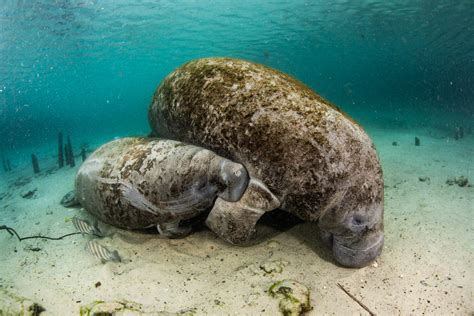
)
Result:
{"points": [[358, 254], [357, 240], [233, 178]]}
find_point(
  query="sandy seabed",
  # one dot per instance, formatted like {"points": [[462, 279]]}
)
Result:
{"points": [[426, 266]]}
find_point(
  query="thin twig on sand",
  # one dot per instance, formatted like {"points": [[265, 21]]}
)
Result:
{"points": [[356, 300], [13, 232]]}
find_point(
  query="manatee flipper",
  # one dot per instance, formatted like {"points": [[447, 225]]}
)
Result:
{"points": [[172, 229], [70, 200], [235, 221]]}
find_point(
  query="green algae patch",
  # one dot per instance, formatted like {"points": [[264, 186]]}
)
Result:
{"points": [[294, 297], [13, 305]]}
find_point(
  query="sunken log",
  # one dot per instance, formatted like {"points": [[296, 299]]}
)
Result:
{"points": [[60, 150], [83, 154], [66, 154], [34, 161]]}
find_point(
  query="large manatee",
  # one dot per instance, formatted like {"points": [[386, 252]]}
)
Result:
{"points": [[137, 183], [317, 161]]}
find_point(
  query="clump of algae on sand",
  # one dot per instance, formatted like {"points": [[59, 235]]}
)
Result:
{"points": [[12, 305], [294, 297]]}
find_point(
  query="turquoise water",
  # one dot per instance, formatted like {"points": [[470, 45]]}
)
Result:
{"points": [[89, 68]]}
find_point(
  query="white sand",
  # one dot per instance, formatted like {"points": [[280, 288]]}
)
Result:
{"points": [[426, 265]]}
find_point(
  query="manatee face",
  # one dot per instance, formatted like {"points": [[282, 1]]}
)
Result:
{"points": [[356, 236]]}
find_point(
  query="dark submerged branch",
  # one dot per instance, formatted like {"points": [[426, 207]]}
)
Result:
{"points": [[13, 232]]}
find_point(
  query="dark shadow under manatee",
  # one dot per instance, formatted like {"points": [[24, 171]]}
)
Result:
{"points": [[278, 221], [270, 225]]}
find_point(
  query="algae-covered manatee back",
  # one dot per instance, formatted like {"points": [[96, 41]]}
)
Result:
{"points": [[309, 153]]}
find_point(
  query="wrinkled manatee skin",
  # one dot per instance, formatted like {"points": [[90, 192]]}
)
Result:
{"points": [[318, 162], [137, 183]]}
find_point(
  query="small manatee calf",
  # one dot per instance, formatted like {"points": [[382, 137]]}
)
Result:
{"points": [[316, 161], [136, 183]]}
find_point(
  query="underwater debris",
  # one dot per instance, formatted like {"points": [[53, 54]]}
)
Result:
{"points": [[34, 162], [461, 181], [83, 154], [394, 144], [34, 249], [69, 153], [417, 141], [424, 179], [294, 297], [21, 181], [11, 304], [28, 194], [102, 253]]}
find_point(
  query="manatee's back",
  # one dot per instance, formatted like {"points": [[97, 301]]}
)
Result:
{"points": [[303, 148]]}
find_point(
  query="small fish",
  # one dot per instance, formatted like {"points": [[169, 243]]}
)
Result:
{"points": [[84, 227], [102, 253]]}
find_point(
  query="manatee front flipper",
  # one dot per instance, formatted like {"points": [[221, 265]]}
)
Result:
{"points": [[235, 221], [70, 200]]}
